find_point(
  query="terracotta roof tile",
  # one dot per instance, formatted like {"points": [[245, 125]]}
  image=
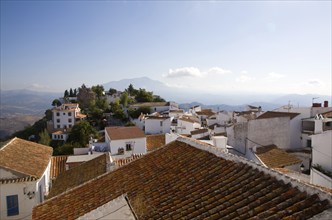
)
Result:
{"points": [[78, 175], [58, 165], [119, 133], [25, 157], [155, 141], [274, 157], [199, 131], [182, 181]]}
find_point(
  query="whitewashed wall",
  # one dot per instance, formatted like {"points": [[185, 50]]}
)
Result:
{"points": [[139, 146], [157, 126], [25, 204], [322, 150]]}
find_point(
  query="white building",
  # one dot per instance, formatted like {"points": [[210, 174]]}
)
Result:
{"points": [[296, 131], [221, 118], [156, 106], [157, 125], [270, 129], [200, 133], [24, 177], [125, 141], [64, 118], [186, 125], [321, 159]]}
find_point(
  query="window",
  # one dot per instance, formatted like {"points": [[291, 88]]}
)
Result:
{"points": [[128, 147], [69, 120], [57, 114], [69, 126], [69, 113], [120, 151], [64, 113], [161, 124], [12, 205], [58, 126], [58, 120]]}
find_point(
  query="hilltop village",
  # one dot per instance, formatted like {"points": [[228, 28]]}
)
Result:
{"points": [[133, 155]]}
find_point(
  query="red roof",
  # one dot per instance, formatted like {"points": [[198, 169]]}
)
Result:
{"points": [[180, 181], [120, 133]]}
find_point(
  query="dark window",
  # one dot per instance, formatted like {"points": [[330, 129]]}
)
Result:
{"points": [[12, 205], [69, 120], [120, 151], [58, 120], [64, 113], [128, 147], [58, 126], [57, 114], [69, 113]]}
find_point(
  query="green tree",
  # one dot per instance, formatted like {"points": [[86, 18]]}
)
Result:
{"points": [[157, 98], [144, 96], [71, 93], [136, 113], [124, 99], [75, 92], [112, 91], [85, 97], [56, 102], [131, 90], [81, 133], [44, 138], [98, 90], [66, 94], [48, 115], [117, 110]]}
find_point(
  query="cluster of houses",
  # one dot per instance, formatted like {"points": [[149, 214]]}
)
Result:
{"points": [[177, 164]]}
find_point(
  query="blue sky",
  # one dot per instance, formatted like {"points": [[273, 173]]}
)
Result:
{"points": [[217, 46]]}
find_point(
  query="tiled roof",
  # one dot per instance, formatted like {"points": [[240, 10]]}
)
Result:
{"points": [[120, 133], [189, 119], [271, 114], [119, 162], [155, 141], [78, 175], [180, 181], [327, 114], [58, 165], [25, 157], [207, 112], [199, 131], [18, 180], [274, 157]]}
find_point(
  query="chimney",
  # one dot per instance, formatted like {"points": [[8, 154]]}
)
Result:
{"points": [[326, 104], [316, 104]]}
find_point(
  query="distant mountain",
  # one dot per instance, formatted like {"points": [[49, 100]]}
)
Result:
{"points": [[15, 102], [179, 95]]}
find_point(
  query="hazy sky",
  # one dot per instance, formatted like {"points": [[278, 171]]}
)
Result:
{"points": [[216, 46]]}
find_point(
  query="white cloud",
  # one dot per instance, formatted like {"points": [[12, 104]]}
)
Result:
{"points": [[195, 72], [314, 82], [244, 72], [243, 79], [184, 72], [218, 70]]}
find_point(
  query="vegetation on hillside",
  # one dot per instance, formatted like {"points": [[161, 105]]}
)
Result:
{"points": [[94, 104]]}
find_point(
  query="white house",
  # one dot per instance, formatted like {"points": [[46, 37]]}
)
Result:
{"points": [[221, 118], [125, 141], [187, 124], [24, 177], [156, 106], [296, 131], [157, 125], [322, 159], [200, 133], [268, 129], [64, 118]]}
